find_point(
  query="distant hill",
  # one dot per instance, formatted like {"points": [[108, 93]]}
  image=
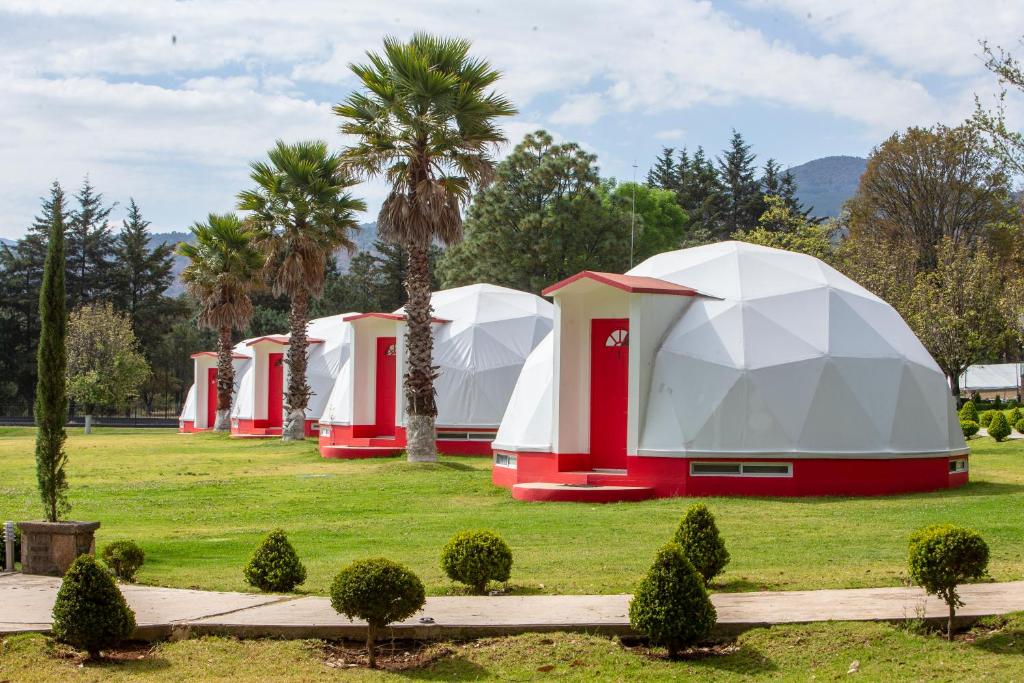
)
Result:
{"points": [[364, 241], [828, 182], [4, 240]]}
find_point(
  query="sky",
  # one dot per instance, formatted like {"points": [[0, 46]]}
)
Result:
{"points": [[167, 101]]}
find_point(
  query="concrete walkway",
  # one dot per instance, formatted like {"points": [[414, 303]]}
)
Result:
{"points": [[26, 603]]}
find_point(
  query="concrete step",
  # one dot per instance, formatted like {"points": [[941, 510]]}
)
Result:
{"points": [[580, 493]]}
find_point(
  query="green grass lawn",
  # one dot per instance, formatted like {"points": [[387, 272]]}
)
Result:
{"points": [[199, 503], [994, 651]]}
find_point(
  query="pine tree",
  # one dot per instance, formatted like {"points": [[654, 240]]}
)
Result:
{"points": [[141, 276], [51, 406], [664, 174], [743, 199], [701, 194], [89, 249]]}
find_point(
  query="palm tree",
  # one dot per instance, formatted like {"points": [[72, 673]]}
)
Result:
{"points": [[302, 215], [425, 121], [224, 269]]}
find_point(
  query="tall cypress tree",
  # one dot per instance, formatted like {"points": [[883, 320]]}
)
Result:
{"points": [[51, 407]]}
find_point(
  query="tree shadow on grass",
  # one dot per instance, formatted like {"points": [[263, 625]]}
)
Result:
{"points": [[997, 637], [744, 660], [739, 585], [450, 465], [454, 667]]}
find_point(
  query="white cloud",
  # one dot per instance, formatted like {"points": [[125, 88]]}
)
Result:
{"points": [[175, 121], [670, 134]]}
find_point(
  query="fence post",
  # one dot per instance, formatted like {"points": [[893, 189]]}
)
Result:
{"points": [[9, 546]]}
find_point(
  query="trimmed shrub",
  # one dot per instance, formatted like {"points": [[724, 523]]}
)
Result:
{"points": [[1014, 416], [475, 558], [1013, 403], [1019, 426], [671, 604], [986, 418], [379, 592], [124, 559], [90, 613], [999, 427], [969, 412], [997, 403], [942, 557], [275, 566], [969, 427], [703, 546]]}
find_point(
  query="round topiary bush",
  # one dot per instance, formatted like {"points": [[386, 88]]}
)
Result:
{"points": [[275, 566], [90, 613], [703, 546], [999, 427], [475, 558], [379, 592], [986, 418], [969, 427], [124, 559], [942, 557], [969, 412], [671, 604]]}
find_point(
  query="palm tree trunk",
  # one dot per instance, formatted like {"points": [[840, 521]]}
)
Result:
{"points": [[225, 382], [421, 408], [297, 397]]}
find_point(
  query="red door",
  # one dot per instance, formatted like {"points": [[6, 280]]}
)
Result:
{"points": [[385, 417], [275, 389], [211, 397], [609, 380]]}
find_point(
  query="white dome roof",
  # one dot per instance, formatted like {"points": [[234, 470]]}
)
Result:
{"points": [[481, 351], [781, 354]]}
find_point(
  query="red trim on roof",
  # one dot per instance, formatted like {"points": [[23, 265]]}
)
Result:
{"points": [[634, 284], [281, 339], [386, 316], [213, 354]]}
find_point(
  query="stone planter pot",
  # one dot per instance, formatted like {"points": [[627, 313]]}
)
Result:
{"points": [[50, 547]]}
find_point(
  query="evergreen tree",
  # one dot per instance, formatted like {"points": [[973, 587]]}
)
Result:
{"points": [[701, 194], [141, 276], [665, 173], [742, 194], [51, 406], [90, 248]]}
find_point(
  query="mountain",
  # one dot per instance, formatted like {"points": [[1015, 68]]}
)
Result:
{"points": [[363, 239], [828, 182], [9, 243]]}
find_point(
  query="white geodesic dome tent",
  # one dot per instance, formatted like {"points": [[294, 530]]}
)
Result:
{"points": [[482, 337], [327, 353], [779, 353], [481, 351], [326, 359]]}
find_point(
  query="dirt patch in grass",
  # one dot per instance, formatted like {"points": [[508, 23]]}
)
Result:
{"points": [[131, 651], [395, 655]]}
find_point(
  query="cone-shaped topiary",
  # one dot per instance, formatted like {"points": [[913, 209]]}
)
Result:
{"points": [[969, 412], [379, 592], [275, 566], [942, 557], [999, 427], [671, 605], [703, 546], [124, 559], [1019, 426], [475, 558], [90, 613], [997, 403], [1014, 416], [969, 427], [986, 418]]}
